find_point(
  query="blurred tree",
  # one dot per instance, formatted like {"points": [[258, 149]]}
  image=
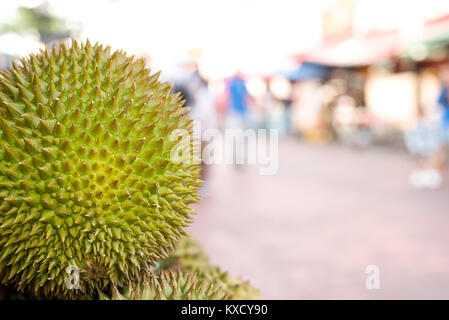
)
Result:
{"points": [[40, 19]]}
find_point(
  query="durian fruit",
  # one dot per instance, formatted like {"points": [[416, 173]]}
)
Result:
{"points": [[171, 285], [190, 257], [86, 174]]}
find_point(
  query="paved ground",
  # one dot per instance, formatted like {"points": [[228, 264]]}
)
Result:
{"points": [[310, 231]]}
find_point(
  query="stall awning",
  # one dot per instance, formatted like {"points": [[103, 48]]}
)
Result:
{"points": [[435, 27], [356, 50], [435, 35], [305, 71]]}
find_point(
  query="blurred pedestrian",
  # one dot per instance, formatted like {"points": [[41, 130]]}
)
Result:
{"points": [[203, 109], [238, 102], [186, 80], [237, 115], [443, 102], [433, 139]]}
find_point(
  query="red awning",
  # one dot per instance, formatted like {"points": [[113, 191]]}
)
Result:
{"points": [[436, 26], [354, 50]]}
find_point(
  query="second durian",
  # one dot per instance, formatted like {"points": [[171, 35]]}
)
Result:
{"points": [[189, 257]]}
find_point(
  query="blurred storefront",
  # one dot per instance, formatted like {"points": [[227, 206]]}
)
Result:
{"points": [[378, 82]]}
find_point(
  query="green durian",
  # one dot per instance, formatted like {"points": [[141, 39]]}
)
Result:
{"points": [[190, 257], [171, 285], [86, 173]]}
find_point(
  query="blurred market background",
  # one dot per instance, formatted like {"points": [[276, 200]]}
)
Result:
{"points": [[358, 92]]}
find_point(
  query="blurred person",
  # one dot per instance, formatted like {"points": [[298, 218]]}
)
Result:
{"points": [[327, 117], [429, 140], [203, 110], [238, 98], [186, 79], [276, 118], [279, 114], [422, 142], [237, 113], [203, 106], [350, 122], [258, 90], [194, 90], [266, 104], [221, 98], [306, 110], [443, 102], [344, 119], [286, 115], [257, 114], [440, 157]]}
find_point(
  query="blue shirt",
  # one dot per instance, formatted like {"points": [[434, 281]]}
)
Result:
{"points": [[443, 101], [238, 95]]}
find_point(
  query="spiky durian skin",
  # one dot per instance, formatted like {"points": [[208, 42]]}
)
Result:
{"points": [[165, 285], [190, 257], [171, 285], [86, 177]]}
